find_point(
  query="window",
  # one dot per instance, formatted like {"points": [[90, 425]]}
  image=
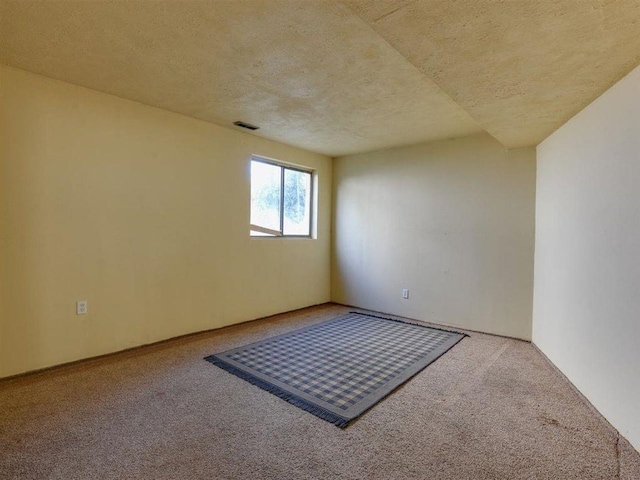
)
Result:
{"points": [[280, 199]]}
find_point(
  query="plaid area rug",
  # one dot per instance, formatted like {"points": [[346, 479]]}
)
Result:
{"points": [[340, 368]]}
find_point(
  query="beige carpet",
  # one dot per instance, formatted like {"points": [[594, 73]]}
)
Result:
{"points": [[491, 408]]}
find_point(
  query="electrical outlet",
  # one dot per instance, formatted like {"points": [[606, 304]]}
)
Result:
{"points": [[81, 307], [405, 293]]}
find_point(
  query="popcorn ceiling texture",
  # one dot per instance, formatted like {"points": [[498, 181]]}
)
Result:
{"points": [[338, 77], [520, 68], [310, 74]]}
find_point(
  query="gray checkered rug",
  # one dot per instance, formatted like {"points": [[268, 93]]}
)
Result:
{"points": [[340, 368]]}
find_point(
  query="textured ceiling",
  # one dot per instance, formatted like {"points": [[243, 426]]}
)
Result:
{"points": [[338, 77], [521, 68]]}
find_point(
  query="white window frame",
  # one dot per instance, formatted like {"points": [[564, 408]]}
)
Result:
{"points": [[283, 166]]}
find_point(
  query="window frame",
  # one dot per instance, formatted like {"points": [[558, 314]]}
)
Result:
{"points": [[270, 233]]}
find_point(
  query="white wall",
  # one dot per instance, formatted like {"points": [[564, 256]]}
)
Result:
{"points": [[142, 212], [453, 221], [587, 261]]}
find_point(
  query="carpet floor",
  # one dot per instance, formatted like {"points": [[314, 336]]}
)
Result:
{"points": [[491, 408]]}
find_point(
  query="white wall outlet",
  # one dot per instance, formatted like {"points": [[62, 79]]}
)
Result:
{"points": [[81, 307], [405, 293]]}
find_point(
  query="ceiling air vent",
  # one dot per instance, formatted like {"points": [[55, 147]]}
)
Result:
{"points": [[246, 125]]}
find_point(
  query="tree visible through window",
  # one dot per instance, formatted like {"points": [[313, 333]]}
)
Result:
{"points": [[280, 200]]}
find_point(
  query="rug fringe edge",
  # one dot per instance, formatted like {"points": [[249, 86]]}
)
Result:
{"points": [[416, 323], [301, 403]]}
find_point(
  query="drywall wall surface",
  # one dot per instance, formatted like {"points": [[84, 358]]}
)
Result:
{"points": [[587, 263], [3, 280], [144, 214], [452, 221]]}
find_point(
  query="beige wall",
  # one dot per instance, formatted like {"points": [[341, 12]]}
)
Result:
{"points": [[453, 221], [587, 266], [143, 213]]}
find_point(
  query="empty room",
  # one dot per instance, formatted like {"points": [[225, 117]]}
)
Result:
{"points": [[318, 239]]}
